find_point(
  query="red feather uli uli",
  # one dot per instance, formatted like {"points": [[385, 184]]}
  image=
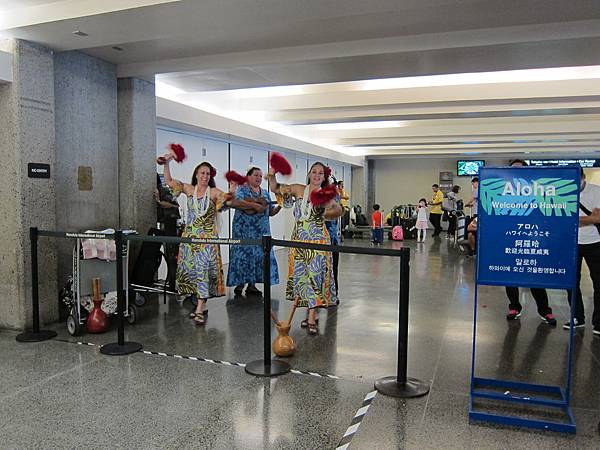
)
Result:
{"points": [[179, 152], [320, 197], [280, 164], [233, 177]]}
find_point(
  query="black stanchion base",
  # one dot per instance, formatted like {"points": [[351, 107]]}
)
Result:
{"points": [[260, 369], [114, 349], [409, 389], [32, 336]]}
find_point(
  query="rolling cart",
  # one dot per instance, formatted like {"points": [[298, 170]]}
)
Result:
{"points": [[77, 295]]}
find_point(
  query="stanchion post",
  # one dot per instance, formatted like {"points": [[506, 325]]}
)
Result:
{"points": [[267, 367], [120, 347], [400, 385], [36, 335]]}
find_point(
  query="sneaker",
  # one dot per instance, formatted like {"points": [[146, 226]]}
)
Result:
{"points": [[513, 314], [238, 290], [576, 324], [549, 319], [596, 331]]}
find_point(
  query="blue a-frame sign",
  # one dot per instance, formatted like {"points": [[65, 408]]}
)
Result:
{"points": [[528, 221]]}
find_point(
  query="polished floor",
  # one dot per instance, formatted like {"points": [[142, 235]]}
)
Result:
{"points": [[59, 394]]}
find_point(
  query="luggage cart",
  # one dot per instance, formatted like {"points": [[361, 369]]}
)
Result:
{"points": [[144, 275], [78, 295]]}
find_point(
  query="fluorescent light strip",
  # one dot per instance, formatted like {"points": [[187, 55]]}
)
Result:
{"points": [[168, 92], [505, 76], [360, 125]]}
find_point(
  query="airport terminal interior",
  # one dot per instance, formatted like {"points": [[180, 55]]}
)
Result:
{"points": [[436, 148]]}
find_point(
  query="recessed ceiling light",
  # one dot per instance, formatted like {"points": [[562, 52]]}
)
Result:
{"points": [[80, 33], [361, 125], [117, 48]]}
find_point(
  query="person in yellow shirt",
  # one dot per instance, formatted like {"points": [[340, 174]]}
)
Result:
{"points": [[435, 214], [344, 197], [345, 204]]}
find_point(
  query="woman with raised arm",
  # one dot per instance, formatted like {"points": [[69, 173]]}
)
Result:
{"points": [[199, 269], [310, 278], [251, 221]]}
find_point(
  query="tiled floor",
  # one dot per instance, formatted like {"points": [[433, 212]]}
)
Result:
{"points": [[61, 395]]}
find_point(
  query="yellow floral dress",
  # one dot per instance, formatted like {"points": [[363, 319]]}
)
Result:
{"points": [[310, 272], [199, 266]]}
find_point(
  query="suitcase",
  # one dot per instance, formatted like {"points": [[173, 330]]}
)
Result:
{"points": [[397, 233], [462, 222], [409, 227]]}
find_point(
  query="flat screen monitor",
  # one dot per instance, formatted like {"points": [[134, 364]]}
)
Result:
{"points": [[468, 168]]}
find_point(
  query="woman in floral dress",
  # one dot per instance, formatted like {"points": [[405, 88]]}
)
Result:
{"points": [[199, 269], [251, 221], [310, 274]]}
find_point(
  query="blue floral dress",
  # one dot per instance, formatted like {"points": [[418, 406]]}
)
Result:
{"points": [[246, 262]]}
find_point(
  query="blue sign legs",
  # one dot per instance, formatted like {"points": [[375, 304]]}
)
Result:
{"points": [[494, 391]]}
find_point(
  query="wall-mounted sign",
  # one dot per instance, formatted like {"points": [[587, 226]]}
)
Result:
{"points": [[84, 178], [38, 170], [586, 163], [446, 181]]}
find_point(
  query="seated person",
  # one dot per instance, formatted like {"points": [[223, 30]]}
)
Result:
{"points": [[472, 236]]}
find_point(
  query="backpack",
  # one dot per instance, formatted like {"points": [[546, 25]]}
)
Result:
{"points": [[397, 233], [447, 204]]}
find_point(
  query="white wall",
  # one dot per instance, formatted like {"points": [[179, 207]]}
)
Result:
{"points": [[226, 154], [402, 181], [357, 190]]}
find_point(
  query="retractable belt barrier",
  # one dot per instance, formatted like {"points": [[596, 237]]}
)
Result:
{"points": [[398, 386]]}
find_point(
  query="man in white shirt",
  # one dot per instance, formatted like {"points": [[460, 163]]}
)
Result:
{"points": [[589, 249], [474, 202]]}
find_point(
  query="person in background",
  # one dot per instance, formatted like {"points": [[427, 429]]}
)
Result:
{"points": [[345, 204], [472, 237], [474, 202], [167, 212], [251, 221], [435, 215], [589, 249], [539, 294], [421, 224], [344, 197], [452, 217], [377, 225], [333, 228]]}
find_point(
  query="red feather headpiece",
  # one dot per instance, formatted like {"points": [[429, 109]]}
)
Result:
{"points": [[280, 164], [320, 197], [233, 177], [213, 172], [179, 152], [327, 172]]}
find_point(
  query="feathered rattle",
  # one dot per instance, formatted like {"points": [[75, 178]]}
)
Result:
{"points": [[174, 149], [320, 197], [233, 177], [279, 164]]}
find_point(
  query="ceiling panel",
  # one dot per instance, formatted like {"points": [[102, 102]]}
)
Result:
{"points": [[322, 61]]}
